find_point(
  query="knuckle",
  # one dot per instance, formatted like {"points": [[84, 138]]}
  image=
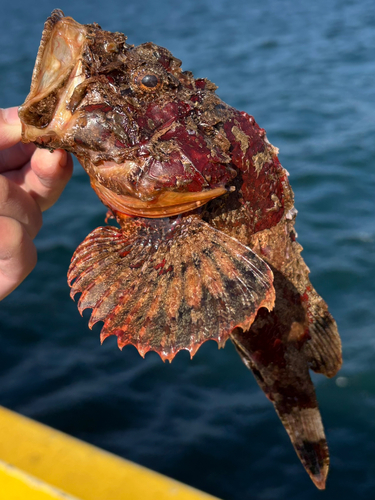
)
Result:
{"points": [[13, 235], [4, 190], [32, 218]]}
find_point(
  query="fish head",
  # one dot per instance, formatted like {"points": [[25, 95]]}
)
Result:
{"points": [[143, 129]]}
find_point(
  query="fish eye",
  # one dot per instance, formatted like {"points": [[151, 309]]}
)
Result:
{"points": [[150, 81], [147, 80]]}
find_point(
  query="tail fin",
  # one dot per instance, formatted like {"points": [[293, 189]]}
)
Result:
{"points": [[283, 374]]}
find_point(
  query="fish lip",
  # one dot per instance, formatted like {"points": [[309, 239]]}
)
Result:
{"points": [[164, 204]]}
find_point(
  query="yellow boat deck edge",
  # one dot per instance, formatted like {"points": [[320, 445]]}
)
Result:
{"points": [[47, 459], [17, 485]]}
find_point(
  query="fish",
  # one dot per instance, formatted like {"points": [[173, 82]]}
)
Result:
{"points": [[205, 246]]}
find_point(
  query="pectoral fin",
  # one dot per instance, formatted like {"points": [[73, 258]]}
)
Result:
{"points": [[166, 286]]}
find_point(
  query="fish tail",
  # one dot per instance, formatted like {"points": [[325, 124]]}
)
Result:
{"points": [[286, 382]]}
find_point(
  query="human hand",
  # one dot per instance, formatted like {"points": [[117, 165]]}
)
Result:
{"points": [[31, 180]]}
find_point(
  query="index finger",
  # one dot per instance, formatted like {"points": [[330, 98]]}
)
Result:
{"points": [[10, 127]]}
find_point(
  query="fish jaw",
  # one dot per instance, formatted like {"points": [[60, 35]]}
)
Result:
{"points": [[166, 204], [58, 71]]}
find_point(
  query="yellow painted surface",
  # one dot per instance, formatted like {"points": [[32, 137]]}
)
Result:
{"points": [[80, 469], [17, 485]]}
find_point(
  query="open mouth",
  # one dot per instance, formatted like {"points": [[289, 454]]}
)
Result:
{"points": [[57, 72]]}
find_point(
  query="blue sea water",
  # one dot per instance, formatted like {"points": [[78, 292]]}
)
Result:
{"points": [[306, 72]]}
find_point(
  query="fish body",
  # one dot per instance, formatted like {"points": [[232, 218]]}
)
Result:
{"points": [[206, 247]]}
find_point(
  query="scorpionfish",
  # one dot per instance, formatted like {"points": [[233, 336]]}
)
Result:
{"points": [[206, 246]]}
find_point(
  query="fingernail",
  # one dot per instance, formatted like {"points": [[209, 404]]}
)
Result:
{"points": [[10, 116]]}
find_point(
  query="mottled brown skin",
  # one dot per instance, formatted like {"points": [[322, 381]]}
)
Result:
{"points": [[206, 247]]}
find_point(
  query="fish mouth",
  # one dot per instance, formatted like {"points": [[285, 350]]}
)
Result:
{"points": [[165, 204], [57, 72]]}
